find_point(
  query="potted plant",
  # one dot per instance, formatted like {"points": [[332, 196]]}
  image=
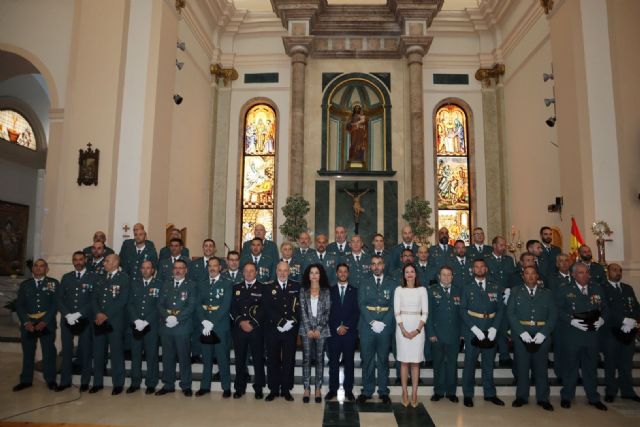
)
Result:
{"points": [[294, 211], [417, 212]]}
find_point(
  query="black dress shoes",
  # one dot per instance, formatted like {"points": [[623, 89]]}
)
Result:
{"points": [[494, 400], [116, 391], [164, 391], [598, 405], [363, 398], [202, 392], [63, 387], [226, 394], [349, 396], [518, 403], [546, 406], [84, 387], [609, 398], [287, 396], [385, 399], [52, 385], [238, 394], [21, 386], [453, 399], [271, 397], [132, 389], [634, 398], [330, 395], [187, 392], [259, 394], [436, 397], [566, 404], [468, 402], [150, 390], [95, 389]]}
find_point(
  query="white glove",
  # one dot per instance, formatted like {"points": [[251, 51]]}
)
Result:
{"points": [[206, 332], [139, 324], [478, 333], [539, 338], [171, 322], [526, 337], [629, 322], [505, 296], [76, 315], [70, 319], [491, 333], [287, 326], [577, 323], [281, 329], [207, 325], [377, 326], [145, 324], [599, 323]]}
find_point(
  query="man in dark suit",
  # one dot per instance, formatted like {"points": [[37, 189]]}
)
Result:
{"points": [[343, 323], [281, 308], [98, 236], [549, 251]]}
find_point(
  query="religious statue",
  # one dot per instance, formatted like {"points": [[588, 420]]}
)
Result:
{"points": [[356, 195], [357, 126]]}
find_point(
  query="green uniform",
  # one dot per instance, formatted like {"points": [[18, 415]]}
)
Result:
{"points": [[596, 273], [38, 301], [580, 349], [359, 269], [444, 323], [427, 274], [165, 267], [143, 305], [396, 253], [440, 255], [550, 254], [166, 253], [213, 304], [462, 270], [618, 356], [266, 266], [501, 271], [177, 298], [478, 251], [484, 309], [329, 260], [110, 297], [376, 303], [75, 297], [533, 314], [268, 248], [131, 258], [555, 283]]}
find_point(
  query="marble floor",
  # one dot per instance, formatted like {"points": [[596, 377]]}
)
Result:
{"points": [[71, 408]]}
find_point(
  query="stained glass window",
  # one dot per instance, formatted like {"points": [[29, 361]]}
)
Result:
{"points": [[452, 172], [15, 128], [258, 170]]}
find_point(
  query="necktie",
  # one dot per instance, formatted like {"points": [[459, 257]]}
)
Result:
{"points": [[379, 253], [212, 282], [531, 293], [304, 252], [177, 284], [321, 257], [357, 258], [146, 283], [282, 285], [340, 246], [378, 281], [38, 284], [255, 259], [173, 259], [479, 248], [618, 287], [342, 294], [481, 284], [248, 285], [109, 276], [584, 290], [461, 261], [139, 251], [78, 275], [233, 276]]}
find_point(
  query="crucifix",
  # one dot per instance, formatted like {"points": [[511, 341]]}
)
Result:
{"points": [[356, 195]]}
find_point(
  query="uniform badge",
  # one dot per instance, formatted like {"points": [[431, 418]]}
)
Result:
{"points": [[456, 300], [386, 294], [595, 299], [237, 293], [273, 292], [115, 290], [51, 286], [183, 296], [493, 297]]}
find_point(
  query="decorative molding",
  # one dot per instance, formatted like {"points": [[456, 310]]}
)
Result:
{"points": [[486, 75], [547, 6], [199, 31], [227, 74]]}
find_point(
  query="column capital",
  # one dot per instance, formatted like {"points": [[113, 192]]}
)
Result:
{"points": [[298, 47], [227, 74], [415, 47], [487, 75]]}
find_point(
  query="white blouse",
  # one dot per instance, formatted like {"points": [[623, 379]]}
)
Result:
{"points": [[314, 306]]}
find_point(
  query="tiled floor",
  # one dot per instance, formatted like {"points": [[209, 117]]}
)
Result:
{"points": [[176, 410]]}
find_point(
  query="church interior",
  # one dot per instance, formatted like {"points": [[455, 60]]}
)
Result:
{"points": [[209, 115]]}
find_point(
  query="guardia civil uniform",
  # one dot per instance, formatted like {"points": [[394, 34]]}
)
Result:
{"points": [[166, 253], [296, 268], [475, 251], [556, 282], [396, 253], [269, 248], [214, 304], [143, 305], [266, 266], [38, 302], [76, 290], [132, 257], [329, 260], [359, 267], [96, 265], [481, 306], [375, 300], [444, 323], [165, 267], [533, 311], [427, 274], [440, 255], [110, 297], [462, 269], [500, 271]]}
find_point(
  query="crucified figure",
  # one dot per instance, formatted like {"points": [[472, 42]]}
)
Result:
{"points": [[357, 206]]}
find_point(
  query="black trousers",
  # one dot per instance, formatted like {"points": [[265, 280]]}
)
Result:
{"points": [[344, 345], [281, 357], [244, 342]]}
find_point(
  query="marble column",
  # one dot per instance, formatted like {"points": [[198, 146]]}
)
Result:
{"points": [[416, 110], [298, 55], [221, 122]]}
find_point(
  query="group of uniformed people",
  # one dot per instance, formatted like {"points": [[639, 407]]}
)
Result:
{"points": [[197, 310]]}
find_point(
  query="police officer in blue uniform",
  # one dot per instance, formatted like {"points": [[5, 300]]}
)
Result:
{"points": [[74, 304], [143, 313], [108, 304], [176, 307], [36, 307], [213, 307], [247, 331], [482, 310]]}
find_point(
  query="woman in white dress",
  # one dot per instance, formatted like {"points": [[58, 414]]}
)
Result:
{"points": [[410, 306]]}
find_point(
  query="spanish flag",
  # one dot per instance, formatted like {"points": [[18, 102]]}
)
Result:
{"points": [[576, 240]]}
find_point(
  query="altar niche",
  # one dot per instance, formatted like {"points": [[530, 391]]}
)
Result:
{"points": [[356, 126]]}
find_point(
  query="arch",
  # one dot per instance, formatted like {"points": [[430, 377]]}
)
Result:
{"points": [[37, 158], [258, 142], [41, 67], [334, 161], [453, 159]]}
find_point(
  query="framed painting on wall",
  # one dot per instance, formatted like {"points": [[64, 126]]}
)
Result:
{"points": [[14, 222]]}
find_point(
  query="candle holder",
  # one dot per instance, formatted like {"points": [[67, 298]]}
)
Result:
{"points": [[516, 244], [601, 229]]}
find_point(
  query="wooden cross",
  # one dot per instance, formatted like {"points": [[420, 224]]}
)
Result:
{"points": [[126, 228]]}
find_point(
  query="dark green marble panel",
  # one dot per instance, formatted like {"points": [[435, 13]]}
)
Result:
{"points": [[390, 213], [344, 208], [322, 208]]}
